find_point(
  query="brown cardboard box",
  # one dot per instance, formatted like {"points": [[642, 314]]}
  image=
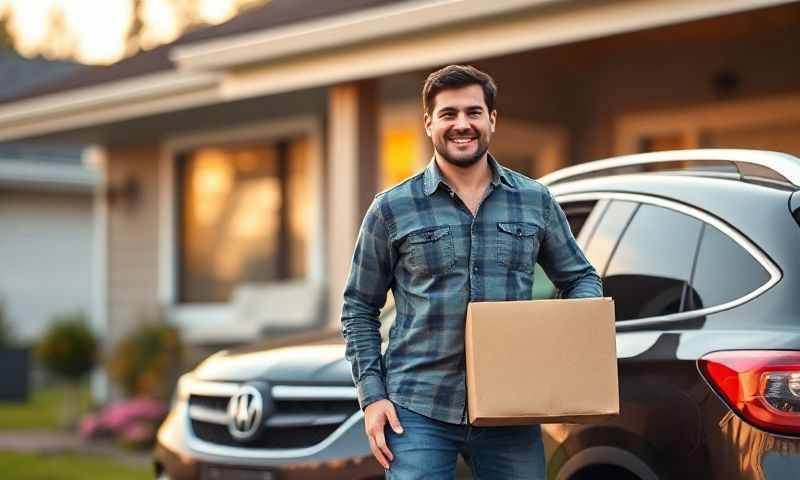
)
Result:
{"points": [[541, 361]]}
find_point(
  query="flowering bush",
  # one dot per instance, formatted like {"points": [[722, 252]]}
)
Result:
{"points": [[133, 422], [147, 361]]}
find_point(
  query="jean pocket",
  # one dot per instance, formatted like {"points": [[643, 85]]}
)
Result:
{"points": [[431, 251], [517, 245]]}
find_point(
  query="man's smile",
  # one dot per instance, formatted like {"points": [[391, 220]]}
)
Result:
{"points": [[462, 139]]}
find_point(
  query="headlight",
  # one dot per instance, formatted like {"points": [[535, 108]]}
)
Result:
{"points": [[181, 393]]}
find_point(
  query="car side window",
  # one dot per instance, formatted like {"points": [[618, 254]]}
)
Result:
{"points": [[602, 243], [650, 269], [577, 213], [724, 271]]}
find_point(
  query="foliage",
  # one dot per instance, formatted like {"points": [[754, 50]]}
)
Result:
{"points": [[59, 37], [147, 361], [69, 347], [6, 334]]}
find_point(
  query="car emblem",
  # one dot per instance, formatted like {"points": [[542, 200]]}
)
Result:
{"points": [[247, 410]]}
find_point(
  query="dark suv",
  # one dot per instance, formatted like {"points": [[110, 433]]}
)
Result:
{"points": [[700, 250]]}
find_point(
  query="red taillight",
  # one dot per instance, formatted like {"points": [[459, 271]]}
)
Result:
{"points": [[761, 386]]}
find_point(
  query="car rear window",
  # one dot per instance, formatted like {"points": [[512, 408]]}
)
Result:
{"points": [[725, 271], [651, 266]]}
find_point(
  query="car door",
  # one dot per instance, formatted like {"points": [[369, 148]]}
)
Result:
{"points": [[645, 251]]}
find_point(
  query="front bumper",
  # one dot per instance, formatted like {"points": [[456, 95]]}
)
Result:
{"points": [[186, 467], [343, 455]]}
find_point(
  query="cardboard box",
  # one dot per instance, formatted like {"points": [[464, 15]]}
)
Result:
{"points": [[541, 361]]}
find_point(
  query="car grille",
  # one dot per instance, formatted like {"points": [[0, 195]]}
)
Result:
{"points": [[297, 422], [277, 438]]}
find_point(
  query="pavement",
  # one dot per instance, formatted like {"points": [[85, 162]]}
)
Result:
{"points": [[50, 442]]}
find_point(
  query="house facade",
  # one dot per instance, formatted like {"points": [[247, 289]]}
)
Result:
{"points": [[46, 217], [236, 163]]}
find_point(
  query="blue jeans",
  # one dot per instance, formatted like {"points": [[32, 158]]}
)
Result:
{"points": [[428, 449]]}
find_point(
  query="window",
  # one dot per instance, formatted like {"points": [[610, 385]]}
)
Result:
{"points": [[242, 217], [649, 272], [577, 213], [399, 157], [601, 244], [725, 271]]}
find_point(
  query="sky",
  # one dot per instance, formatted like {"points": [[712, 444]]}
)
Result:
{"points": [[97, 31]]}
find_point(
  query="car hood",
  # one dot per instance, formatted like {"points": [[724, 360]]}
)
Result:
{"points": [[306, 364]]}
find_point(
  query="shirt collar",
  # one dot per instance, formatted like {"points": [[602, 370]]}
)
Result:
{"points": [[433, 176]]}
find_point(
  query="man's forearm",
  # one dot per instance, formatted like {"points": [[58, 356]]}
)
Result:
{"points": [[361, 331], [587, 285], [365, 294]]}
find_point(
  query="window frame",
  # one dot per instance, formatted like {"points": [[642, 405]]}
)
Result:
{"points": [[643, 199], [203, 320]]}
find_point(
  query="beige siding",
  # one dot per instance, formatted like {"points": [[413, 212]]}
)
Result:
{"points": [[132, 239]]}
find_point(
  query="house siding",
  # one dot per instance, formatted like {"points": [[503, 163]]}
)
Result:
{"points": [[46, 257], [132, 239]]}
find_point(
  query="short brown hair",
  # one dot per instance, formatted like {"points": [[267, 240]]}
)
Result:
{"points": [[457, 76]]}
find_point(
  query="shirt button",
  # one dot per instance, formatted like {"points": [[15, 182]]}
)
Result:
{"points": [[475, 269], [452, 194]]}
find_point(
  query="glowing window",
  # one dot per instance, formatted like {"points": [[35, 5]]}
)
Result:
{"points": [[242, 213]]}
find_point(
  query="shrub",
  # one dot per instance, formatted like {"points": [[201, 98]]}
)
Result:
{"points": [[147, 360], [69, 347], [6, 334]]}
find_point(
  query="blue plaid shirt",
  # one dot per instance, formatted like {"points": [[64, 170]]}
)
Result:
{"points": [[422, 242]]}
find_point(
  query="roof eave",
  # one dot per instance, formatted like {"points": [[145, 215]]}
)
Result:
{"points": [[339, 31], [113, 101], [36, 175]]}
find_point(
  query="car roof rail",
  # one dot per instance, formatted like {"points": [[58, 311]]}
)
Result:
{"points": [[756, 166]]}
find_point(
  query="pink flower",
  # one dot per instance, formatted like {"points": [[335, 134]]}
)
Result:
{"points": [[90, 426], [139, 433], [116, 419]]}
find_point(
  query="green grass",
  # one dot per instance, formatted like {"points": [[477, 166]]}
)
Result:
{"points": [[27, 466], [43, 411]]}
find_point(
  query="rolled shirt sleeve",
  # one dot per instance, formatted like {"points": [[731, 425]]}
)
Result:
{"points": [[370, 278], [563, 260]]}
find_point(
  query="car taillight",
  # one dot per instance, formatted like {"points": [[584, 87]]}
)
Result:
{"points": [[763, 387]]}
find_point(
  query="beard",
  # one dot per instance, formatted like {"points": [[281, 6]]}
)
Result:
{"points": [[464, 160]]}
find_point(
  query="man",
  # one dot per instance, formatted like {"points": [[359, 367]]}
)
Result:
{"points": [[464, 230]]}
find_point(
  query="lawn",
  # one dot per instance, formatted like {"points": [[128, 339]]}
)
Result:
{"points": [[32, 466], [43, 411]]}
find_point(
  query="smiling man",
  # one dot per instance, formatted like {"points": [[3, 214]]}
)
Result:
{"points": [[466, 229]]}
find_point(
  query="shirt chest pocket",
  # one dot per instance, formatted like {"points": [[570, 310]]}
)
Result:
{"points": [[517, 245], [431, 252]]}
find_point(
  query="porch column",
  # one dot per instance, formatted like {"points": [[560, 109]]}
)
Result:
{"points": [[351, 178]]}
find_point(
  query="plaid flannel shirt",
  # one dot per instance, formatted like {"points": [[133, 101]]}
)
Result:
{"points": [[420, 240]]}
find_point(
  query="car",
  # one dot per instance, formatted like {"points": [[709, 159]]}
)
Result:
{"points": [[700, 250]]}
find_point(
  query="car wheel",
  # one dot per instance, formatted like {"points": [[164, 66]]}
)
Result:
{"points": [[602, 472]]}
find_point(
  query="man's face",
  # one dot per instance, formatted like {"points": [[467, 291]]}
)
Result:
{"points": [[460, 125]]}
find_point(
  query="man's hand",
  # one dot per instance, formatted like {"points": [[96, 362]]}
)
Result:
{"points": [[375, 417]]}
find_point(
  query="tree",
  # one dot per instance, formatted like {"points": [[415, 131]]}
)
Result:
{"points": [[136, 25]]}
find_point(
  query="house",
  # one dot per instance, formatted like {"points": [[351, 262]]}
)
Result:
{"points": [[46, 216], [237, 162]]}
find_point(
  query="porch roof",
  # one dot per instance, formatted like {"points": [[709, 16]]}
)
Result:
{"points": [[290, 45]]}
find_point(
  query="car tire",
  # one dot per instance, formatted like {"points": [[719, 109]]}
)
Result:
{"points": [[602, 472]]}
